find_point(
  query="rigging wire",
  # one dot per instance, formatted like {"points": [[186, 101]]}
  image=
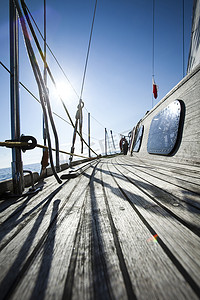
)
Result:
{"points": [[79, 115], [45, 153], [94, 118], [42, 91], [183, 38], [48, 69], [42, 56], [37, 27], [3, 65], [155, 87], [153, 46], [88, 51], [34, 95], [40, 146], [51, 51], [52, 111], [99, 122], [61, 68]]}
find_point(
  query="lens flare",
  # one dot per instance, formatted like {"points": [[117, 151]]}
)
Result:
{"points": [[153, 238]]}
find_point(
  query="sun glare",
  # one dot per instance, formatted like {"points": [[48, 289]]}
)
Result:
{"points": [[65, 91]]}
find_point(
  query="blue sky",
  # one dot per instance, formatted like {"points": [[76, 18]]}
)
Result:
{"points": [[118, 86]]}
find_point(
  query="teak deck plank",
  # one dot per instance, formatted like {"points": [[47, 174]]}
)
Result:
{"points": [[148, 209], [180, 189], [163, 195], [143, 255], [102, 235], [180, 177]]}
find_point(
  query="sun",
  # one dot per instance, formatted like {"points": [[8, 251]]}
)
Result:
{"points": [[64, 91]]}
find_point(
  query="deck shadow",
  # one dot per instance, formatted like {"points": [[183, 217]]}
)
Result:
{"points": [[154, 206], [46, 261], [13, 220], [24, 258]]}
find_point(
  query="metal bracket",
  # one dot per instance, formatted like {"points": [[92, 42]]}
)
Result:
{"points": [[27, 139], [30, 140]]}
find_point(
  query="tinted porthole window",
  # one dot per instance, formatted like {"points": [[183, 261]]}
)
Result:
{"points": [[164, 129], [138, 139]]}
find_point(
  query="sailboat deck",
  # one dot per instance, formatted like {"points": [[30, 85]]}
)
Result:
{"points": [[123, 229]]}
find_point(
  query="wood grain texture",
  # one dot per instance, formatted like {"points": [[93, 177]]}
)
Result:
{"points": [[107, 234]]}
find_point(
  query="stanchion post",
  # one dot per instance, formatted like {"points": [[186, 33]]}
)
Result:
{"points": [[105, 141], [45, 71], [17, 166], [89, 152], [113, 141]]}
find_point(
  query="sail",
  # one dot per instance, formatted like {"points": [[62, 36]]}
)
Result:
{"points": [[194, 54]]}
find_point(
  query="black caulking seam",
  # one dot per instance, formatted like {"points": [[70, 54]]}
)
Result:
{"points": [[168, 252]]}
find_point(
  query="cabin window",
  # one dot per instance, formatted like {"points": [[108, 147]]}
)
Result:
{"points": [[138, 138], [164, 129]]}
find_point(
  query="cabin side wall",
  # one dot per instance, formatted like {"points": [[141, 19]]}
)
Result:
{"points": [[188, 90]]}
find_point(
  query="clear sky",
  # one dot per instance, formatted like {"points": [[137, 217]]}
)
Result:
{"points": [[118, 85]]}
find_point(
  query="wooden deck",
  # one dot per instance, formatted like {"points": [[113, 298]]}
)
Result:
{"points": [[125, 228]]}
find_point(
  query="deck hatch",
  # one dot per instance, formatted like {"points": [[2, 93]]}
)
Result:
{"points": [[164, 129], [138, 139]]}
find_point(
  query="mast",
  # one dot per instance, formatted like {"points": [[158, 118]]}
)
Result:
{"points": [[17, 166]]}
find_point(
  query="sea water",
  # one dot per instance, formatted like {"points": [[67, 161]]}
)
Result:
{"points": [[6, 173]]}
